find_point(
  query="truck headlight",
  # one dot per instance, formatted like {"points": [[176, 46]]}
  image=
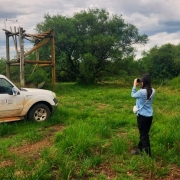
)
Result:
{"points": [[54, 95]]}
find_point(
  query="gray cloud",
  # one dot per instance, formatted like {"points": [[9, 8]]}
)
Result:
{"points": [[8, 15], [170, 26]]}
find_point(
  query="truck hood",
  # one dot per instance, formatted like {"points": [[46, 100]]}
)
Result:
{"points": [[35, 92]]}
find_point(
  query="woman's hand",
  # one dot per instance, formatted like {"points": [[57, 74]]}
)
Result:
{"points": [[135, 82]]}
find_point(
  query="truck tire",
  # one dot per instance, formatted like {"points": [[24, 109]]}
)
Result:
{"points": [[39, 112]]}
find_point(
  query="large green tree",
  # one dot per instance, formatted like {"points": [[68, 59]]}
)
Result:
{"points": [[162, 62], [89, 40]]}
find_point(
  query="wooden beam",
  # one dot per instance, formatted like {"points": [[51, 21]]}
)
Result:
{"points": [[43, 33], [36, 36], [44, 65], [37, 62], [21, 42], [9, 32], [37, 46], [15, 43], [53, 59], [7, 57], [15, 64]]}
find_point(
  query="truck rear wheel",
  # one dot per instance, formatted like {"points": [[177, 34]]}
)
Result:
{"points": [[39, 113]]}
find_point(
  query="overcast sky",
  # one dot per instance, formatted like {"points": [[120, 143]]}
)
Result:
{"points": [[159, 19]]}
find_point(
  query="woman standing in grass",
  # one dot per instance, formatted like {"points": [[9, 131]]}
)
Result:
{"points": [[144, 98]]}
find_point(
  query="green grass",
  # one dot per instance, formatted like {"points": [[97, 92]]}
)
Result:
{"points": [[99, 131]]}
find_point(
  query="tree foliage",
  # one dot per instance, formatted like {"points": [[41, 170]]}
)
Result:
{"points": [[88, 41], [162, 62], [3, 66]]}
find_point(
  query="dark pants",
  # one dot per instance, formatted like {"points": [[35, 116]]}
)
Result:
{"points": [[144, 125]]}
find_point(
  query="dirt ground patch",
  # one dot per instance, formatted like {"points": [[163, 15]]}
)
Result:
{"points": [[33, 149], [175, 173], [29, 148]]}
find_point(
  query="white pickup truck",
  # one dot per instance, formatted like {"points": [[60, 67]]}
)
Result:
{"points": [[25, 103]]}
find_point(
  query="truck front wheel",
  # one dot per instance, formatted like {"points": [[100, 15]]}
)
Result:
{"points": [[39, 113]]}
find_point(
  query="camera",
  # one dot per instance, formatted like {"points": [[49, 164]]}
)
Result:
{"points": [[138, 80]]}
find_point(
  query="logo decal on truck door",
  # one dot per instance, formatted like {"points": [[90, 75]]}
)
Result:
{"points": [[10, 101]]}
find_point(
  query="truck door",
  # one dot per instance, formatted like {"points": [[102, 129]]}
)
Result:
{"points": [[10, 105]]}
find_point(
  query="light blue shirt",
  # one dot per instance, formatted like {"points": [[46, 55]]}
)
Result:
{"points": [[141, 98]]}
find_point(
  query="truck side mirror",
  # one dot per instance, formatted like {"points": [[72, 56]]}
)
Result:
{"points": [[15, 91]]}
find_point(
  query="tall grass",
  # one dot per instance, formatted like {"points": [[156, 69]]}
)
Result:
{"points": [[100, 131]]}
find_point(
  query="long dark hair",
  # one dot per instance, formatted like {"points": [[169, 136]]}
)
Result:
{"points": [[146, 79]]}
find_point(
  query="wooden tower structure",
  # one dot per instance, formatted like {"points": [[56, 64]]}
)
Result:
{"points": [[39, 40]]}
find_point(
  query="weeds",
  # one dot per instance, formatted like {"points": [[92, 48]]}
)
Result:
{"points": [[99, 132]]}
